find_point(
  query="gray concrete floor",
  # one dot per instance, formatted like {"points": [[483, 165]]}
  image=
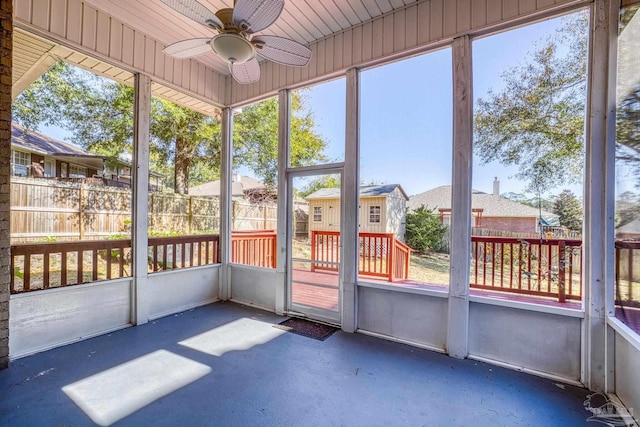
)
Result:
{"points": [[225, 365]]}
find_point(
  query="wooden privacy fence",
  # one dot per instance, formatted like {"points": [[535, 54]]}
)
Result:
{"points": [[254, 216], [379, 254], [44, 209], [547, 268], [627, 274]]}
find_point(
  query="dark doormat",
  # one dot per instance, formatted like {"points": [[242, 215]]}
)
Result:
{"points": [[306, 328]]}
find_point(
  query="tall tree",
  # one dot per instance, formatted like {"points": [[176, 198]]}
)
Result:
{"points": [[536, 122], [184, 143], [569, 210], [188, 138]]}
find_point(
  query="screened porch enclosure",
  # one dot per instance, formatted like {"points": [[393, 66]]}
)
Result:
{"points": [[562, 309]]}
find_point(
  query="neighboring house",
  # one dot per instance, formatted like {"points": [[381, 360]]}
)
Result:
{"points": [[629, 231], [383, 209], [39, 156], [489, 211], [36, 155], [242, 188], [118, 174]]}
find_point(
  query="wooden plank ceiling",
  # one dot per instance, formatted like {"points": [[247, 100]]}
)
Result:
{"points": [[32, 56], [304, 21]]}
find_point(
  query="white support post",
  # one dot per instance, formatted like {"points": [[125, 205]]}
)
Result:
{"points": [[599, 198], [350, 205], [284, 210], [458, 314], [225, 202], [140, 181]]}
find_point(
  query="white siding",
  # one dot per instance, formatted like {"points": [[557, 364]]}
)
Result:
{"points": [[330, 214], [396, 217], [392, 214], [365, 224]]}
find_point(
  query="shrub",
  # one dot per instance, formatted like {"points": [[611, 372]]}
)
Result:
{"points": [[424, 231]]}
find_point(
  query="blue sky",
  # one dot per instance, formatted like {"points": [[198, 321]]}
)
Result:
{"points": [[406, 114]]}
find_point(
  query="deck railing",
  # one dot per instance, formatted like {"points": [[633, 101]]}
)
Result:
{"points": [[547, 267], [46, 265], [627, 274], [627, 283], [254, 247], [379, 255]]}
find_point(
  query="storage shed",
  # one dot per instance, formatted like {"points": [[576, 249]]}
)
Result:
{"points": [[383, 209]]}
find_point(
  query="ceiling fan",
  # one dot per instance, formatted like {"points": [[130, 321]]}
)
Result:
{"points": [[235, 42]]}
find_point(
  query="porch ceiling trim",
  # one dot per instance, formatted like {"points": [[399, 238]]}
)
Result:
{"points": [[74, 24]]}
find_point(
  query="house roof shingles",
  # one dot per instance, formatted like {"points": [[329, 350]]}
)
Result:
{"points": [[491, 205], [42, 144]]}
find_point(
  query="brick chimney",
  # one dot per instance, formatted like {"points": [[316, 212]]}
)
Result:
{"points": [[496, 186]]}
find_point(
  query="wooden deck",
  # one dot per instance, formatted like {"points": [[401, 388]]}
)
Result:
{"points": [[326, 295]]}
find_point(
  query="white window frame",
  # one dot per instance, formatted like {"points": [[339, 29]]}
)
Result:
{"points": [[373, 215], [317, 214], [20, 159], [49, 168], [77, 171]]}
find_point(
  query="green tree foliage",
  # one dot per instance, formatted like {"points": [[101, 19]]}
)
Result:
{"points": [[628, 130], [424, 232], [537, 121], [255, 137], [627, 208], [546, 204], [324, 181], [187, 139], [569, 210], [185, 144]]}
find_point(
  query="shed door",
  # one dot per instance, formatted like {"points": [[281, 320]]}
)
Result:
{"points": [[333, 215]]}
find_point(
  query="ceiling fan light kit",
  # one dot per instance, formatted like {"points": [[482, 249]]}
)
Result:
{"points": [[236, 44], [232, 48]]}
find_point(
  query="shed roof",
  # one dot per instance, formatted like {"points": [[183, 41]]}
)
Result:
{"points": [[491, 205], [365, 191]]}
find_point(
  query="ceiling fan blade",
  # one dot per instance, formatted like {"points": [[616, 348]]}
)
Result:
{"points": [[196, 11], [258, 14], [283, 51], [188, 48], [247, 72]]}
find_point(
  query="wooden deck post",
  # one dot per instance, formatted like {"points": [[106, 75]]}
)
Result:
{"points": [[390, 250], [562, 272], [314, 249], [82, 204]]}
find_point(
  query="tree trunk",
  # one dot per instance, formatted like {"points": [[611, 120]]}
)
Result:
{"points": [[181, 185]]}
